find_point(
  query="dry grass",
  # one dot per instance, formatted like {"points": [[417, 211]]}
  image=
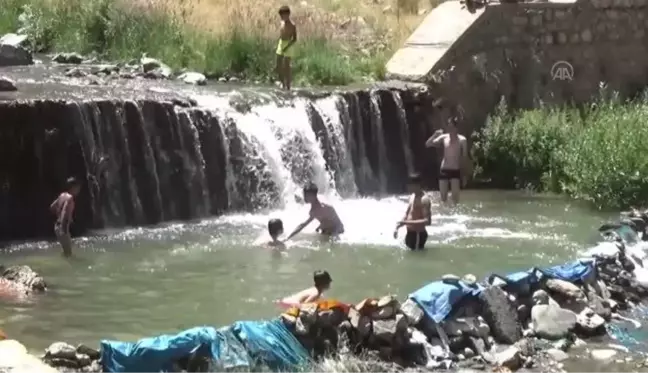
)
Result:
{"points": [[362, 24]]}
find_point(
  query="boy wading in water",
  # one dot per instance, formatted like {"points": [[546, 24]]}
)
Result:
{"points": [[63, 208], [417, 216], [455, 166], [285, 49], [330, 223], [275, 229]]}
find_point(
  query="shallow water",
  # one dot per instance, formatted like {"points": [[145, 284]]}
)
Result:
{"points": [[146, 281]]}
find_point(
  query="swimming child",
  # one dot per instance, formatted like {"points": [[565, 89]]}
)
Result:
{"points": [[275, 229], [285, 49], [322, 282], [417, 215], [330, 223], [63, 208]]}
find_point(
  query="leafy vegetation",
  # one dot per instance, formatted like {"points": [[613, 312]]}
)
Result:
{"points": [[595, 153]]}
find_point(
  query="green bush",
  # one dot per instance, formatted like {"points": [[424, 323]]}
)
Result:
{"points": [[118, 33], [596, 154]]}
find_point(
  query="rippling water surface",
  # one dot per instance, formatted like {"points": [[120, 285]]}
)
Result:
{"points": [[145, 281]]}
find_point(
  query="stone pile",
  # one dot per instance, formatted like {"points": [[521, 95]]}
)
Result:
{"points": [[503, 327], [67, 358]]}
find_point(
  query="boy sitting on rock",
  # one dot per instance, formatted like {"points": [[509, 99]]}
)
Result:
{"points": [[322, 281]]}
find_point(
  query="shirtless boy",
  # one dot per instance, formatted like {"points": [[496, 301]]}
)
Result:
{"points": [[63, 208], [285, 50], [322, 282], [455, 163], [325, 214], [417, 215]]}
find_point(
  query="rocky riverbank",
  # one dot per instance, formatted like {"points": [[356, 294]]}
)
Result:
{"points": [[531, 319]]}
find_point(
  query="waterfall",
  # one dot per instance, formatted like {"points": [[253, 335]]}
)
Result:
{"points": [[146, 161]]}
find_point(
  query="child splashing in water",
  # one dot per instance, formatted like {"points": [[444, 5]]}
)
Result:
{"points": [[275, 229]]}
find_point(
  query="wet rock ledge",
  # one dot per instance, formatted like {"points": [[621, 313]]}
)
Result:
{"points": [[524, 320]]}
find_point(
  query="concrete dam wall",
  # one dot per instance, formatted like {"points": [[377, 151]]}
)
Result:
{"points": [[553, 52]]}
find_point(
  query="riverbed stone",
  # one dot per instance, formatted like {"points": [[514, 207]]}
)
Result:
{"points": [[589, 323], [61, 350], [500, 315], [7, 85], [552, 322], [557, 355], [510, 358], [15, 359], [14, 50], [603, 354], [68, 58], [193, 78], [412, 311]]}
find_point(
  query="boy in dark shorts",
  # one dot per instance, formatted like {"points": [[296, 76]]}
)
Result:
{"points": [[63, 208], [417, 216]]}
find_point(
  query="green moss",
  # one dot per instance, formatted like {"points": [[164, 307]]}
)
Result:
{"points": [[115, 33], [596, 153]]}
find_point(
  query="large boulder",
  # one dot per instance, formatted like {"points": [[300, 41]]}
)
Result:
{"points": [[25, 277], [501, 315], [193, 78], [7, 85], [552, 322], [14, 50], [14, 358]]}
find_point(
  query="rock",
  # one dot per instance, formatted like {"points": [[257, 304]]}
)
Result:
{"points": [[500, 315], [552, 322], [154, 69], [412, 311], [509, 358], [450, 278], [603, 354], [384, 330], [75, 72], [90, 352], [150, 64], [599, 306], [61, 350], [470, 279], [468, 353], [7, 85], [589, 323], [193, 78], [362, 324], [557, 355], [569, 295], [462, 326], [25, 276], [14, 50], [106, 69], [68, 58], [14, 358], [83, 360]]}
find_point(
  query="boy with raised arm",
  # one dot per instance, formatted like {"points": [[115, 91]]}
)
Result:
{"points": [[455, 165], [325, 214], [417, 216]]}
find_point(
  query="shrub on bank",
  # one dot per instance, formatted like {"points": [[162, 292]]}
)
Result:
{"points": [[123, 30], [596, 153]]}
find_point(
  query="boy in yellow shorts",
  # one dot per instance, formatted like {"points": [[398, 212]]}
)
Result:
{"points": [[285, 49]]}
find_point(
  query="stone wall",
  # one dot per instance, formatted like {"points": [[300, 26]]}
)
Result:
{"points": [[509, 52]]}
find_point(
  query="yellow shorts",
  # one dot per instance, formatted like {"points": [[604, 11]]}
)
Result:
{"points": [[290, 53]]}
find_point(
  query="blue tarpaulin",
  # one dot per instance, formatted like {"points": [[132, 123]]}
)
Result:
{"points": [[437, 298], [244, 344]]}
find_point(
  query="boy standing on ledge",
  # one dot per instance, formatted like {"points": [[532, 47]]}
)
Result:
{"points": [[63, 208], [285, 50]]}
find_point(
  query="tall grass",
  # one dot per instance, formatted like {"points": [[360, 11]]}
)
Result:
{"points": [[237, 38], [595, 153]]}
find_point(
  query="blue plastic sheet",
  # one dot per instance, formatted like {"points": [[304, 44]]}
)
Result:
{"points": [[245, 344], [577, 270], [438, 298]]}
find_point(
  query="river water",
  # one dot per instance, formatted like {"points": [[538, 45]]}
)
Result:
{"points": [[146, 281]]}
